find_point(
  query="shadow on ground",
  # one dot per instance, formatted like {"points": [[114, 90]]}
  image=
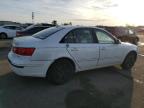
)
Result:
{"points": [[100, 88]]}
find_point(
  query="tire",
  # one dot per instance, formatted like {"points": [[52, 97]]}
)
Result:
{"points": [[129, 61], [3, 36], [61, 71]]}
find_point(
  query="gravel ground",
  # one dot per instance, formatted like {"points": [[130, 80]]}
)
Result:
{"points": [[100, 88], [5, 43], [138, 74]]}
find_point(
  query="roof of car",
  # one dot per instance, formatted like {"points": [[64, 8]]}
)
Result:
{"points": [[79, 26]]}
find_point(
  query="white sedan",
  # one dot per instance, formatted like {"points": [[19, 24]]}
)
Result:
{"points": [[59, 52], [8, 31]]}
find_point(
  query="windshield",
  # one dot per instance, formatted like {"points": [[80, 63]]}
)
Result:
{"points": [[47, 32], [131, 32]]}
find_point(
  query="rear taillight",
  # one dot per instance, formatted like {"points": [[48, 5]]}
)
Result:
{"points": [[23, 51], [19, 33]]}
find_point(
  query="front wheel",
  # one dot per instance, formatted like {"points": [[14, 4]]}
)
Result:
{"points": [[61, 71], [129, 61], [3, 36]]}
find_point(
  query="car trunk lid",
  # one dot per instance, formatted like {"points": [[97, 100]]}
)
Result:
{"points": [[27, 41]]}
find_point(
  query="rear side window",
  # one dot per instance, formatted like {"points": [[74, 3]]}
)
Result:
{"points": [[70, 38], [10, 27], [82, 35], [47, 32]]}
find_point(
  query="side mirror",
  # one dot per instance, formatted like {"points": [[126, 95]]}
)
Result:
{"points": [[117, 41]]}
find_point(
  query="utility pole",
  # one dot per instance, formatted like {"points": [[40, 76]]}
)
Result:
{"points": [[33, 17]]}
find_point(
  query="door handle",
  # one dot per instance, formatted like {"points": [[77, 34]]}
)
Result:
{"points": [[74, 49]]}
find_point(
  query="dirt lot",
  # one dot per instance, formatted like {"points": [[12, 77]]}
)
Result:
{"points": [[100, 88]]}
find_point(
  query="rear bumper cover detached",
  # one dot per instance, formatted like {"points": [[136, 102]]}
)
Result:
{"points": [[30, 68], [14, 64]]}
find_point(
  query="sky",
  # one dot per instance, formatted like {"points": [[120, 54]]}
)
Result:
{"points": [[79, 12]]}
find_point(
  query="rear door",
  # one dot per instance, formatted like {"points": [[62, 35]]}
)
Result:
{"points": [[110, 53], [83, 48]]}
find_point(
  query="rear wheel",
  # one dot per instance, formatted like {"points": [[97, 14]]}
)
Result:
{"points": [[129, 61], [3, 36], [61, 71]]}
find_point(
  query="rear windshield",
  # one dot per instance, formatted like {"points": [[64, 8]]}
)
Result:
{"points": [[47, 32], [29, 27]]}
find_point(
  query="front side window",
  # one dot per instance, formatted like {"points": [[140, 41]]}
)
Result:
{"points": [[131, 32], [104, 38], [81, 35]]}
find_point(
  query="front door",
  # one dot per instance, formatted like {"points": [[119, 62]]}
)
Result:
{"points": [[110, 52]]}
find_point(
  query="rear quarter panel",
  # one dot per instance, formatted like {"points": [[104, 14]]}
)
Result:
{"points": [[52, 54]]}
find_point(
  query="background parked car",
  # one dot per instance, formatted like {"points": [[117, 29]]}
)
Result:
{"points": [[9, 31], [124, 34], [30, 30]]}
